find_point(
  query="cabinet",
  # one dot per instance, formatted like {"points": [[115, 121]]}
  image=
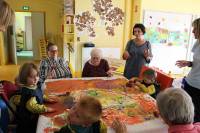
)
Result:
{"points": [[20, 40]]}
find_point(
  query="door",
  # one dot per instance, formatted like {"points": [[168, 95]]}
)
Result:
{"points": [[28, 33], [38, 32]]}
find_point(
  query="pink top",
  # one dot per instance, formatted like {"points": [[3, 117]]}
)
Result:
{"points": [[188, 128]]}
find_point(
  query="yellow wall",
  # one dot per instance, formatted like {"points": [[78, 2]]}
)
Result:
{"points": [[53, 16], [102, 39], [2, 56]]}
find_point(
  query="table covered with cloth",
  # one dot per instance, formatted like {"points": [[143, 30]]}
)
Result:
{"points": [[136, 109]]}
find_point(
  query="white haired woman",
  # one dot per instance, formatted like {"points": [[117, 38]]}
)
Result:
{"points": [[96, 66], [177, 110], [192, 81], [6, 15]]}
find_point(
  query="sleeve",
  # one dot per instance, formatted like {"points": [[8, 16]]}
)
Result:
{"points": [[66, 65], [43, 71], [107, 68], [34, 107], [151, 89], [128, 45], [86, 71], [103, 127]]}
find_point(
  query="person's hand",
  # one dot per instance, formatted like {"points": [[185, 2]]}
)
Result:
{"points": [[119, 127], [125, 55], [52, 99], [183, 63], [50, 110], [109, 72], [146, 53]]}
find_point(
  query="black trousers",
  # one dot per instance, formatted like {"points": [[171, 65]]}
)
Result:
{"points": [[195, 95]]}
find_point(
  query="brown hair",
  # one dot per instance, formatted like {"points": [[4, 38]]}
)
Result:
{"points": [[92, 106], [49, 45], [196, 24], [140, 26], [25, 71], [6, 14]]}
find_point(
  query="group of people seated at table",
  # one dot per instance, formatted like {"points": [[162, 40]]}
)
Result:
{"points": [[175, 105]]}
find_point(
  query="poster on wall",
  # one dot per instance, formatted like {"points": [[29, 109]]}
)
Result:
{"points": [[169, 34]]}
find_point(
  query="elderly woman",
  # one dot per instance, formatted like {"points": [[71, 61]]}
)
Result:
{"points": [[6, 15], [53, 67], [96, 66], [177, 110]]}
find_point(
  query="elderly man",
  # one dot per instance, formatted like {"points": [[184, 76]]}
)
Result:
{"points": [[53, 67], [96, 66]]}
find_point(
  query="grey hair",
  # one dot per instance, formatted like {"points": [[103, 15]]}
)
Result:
{"points": [[175, 106], [196, 24], [96, 52]]}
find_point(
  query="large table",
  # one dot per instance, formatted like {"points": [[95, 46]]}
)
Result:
{"points": [[110, 92]]}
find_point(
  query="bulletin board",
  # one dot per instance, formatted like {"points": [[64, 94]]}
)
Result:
{"points": [[169, 34]]}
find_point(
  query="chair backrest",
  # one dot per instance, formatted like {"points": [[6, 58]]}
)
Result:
{"points": [[8, 87], [163, 79]]}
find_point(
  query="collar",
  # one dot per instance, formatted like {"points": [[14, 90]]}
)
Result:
{"points": [[34, 87], [177, 128]]}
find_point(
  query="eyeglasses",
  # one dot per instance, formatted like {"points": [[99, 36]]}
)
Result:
{"points": [[53, 51]]}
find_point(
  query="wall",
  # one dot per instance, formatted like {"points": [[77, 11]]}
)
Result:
{"points": [[20, 20], [53, 14], [102, 39]]}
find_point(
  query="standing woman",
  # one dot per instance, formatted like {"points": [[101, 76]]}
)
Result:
{"points": [[6, 15], [192, 81], [137, 52]]}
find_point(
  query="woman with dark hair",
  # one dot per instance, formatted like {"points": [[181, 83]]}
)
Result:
{"points": [[137, 52]]}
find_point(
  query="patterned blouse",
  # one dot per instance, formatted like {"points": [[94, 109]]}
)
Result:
{"points": [[54, 69]]}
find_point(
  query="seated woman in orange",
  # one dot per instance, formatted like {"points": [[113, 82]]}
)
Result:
{"points": [[96, 66]]}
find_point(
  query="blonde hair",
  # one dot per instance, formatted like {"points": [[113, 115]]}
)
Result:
{"points": [[93, 108], [196, 24], [25, 71], [6, 14]]}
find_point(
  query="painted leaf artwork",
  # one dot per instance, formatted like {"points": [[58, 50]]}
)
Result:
{"points": [[110, 15], [118, 101], [85, 22], [165, 28]]}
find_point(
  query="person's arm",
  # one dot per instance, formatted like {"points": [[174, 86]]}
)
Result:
{"points": [[119, 127], [43, 71], [86, 70], [183, 63], [34, 107], [66, 65], [126, 54], [148, 53], [107, 69]]}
